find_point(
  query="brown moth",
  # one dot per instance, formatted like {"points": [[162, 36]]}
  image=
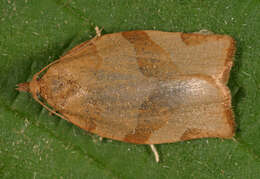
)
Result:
{"points": [[143, 87]]}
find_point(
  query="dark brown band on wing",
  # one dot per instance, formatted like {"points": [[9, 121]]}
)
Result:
{"points": [[193, 133], [193, 39], [153, 114], [153, 61]]}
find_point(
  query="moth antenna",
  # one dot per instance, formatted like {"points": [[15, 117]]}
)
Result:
{"points": [[38, 73], [155, 152], [49, 109], [36, 97]]}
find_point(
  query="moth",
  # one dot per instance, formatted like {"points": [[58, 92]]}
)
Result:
{"points": [[143, 87]]}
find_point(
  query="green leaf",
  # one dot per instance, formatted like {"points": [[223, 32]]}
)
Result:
{"points": [[34, 144]]}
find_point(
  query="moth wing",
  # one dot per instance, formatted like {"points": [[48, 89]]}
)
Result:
{"points": [[145, 86]]}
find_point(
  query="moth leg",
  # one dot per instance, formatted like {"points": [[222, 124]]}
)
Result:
{"points": [[205, 32], [98, 31], [235, 140], [155, 152], [100, 138]]}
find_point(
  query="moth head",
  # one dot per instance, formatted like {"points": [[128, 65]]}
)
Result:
{"points": [[34, 87]]}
